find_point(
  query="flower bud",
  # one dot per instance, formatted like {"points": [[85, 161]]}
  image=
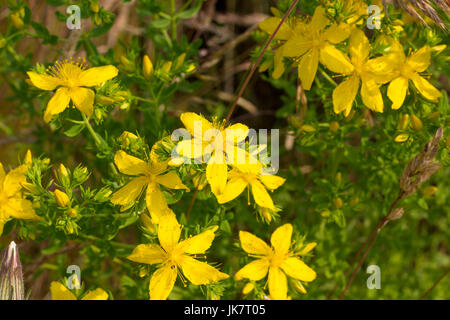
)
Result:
{"points": [[403, 123], [338, 178], [396, 214], [126, 138], [61, 198], [94, 6], [147, 67], [11, 278], [429, 191], [308, 128], [416, 123], [298, 286], [107, 101], [72, 213], [338, 203], [334, 126], [17, 21], [63, 171], [248, 288], [325, 214], [401, 137]]}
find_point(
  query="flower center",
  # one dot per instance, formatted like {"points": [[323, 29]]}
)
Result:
{"points": [[277, 259]]}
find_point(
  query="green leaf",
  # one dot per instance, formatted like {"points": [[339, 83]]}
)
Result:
{"points": [[75, 130], [190, 12], [160, 23]]}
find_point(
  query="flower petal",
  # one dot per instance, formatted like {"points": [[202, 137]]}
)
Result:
{"points": [[253, 245], [269, 25], [345, 94], [95, 76], [278, 64], [359, 46], [307, 68], [162, 282], [297, 269], [97, 294], [337, 33], [83, 99], [14, 180], [425, 88], [21, 209], [44, 81], [296, 46], [277, 284], [255, 270], [169, 231], [156, 202], [216, 173], [261, 196], [199, 272], [371, 96], [233, 189], [420, 60], [57, 104], [319, 19], [130, 165], [397, 91], [236, 133], [335, 60], [59, 292], [148, 254], [196, 124], [281, 238], [200, 243], [130, 192], [171, 180], [272, 182]]}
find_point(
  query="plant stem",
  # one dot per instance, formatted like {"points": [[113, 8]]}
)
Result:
{"points": [[173, 21], [435, 284], [191, 205], [91, 130], [255, 65]]}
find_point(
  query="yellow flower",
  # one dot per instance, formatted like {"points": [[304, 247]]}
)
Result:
{"points": [[146, 174], [71, 78], [250, 176], [60, 292], [12, 202], [172, 254], [61, 198], [313, 42], [276, 261], [213, 138], [370, 72], [409, 68]]}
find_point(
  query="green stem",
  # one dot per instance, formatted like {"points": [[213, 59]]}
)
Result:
{"points": [[173, 21], [91, 130], [114, 243], [330, 80]]}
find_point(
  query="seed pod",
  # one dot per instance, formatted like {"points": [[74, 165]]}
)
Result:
{"points": [[11, 278]]}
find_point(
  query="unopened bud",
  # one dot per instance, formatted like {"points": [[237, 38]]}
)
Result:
{"points": [[17, 21], [308, 128], [147, 67], [94, 6], [338, 203], [61, 198], [63, 171], [104, 100], [72, 213], [298, 286], [401, 137], [416, 123], [334, 126], [11, 278], [403, 123], [429, 191]]}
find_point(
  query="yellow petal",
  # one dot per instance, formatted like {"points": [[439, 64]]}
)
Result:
{"points": [[148, 254], [397, 91], [193, 148], [83, 99], [310, 246], [130, 165], [156, 202], [278, 64], [253, 245], [2, 224], [162, 282], [236, 133], [425, 88], [44, 81], [345, 94], [297, 269], [97, 294], [199, 272], [296, 46], [307, 68], [21, 209], [216, 174], [200, 243], [261, 196], [255, 270], [13, 181], [171, 180], [277, 284], [60, 292], [57, 104], [2, 174], [233, 189], [359, 46], [420, 60], [337, 33], [371, 96], [335, 60], [269, 25], [281, 238], [272, 182], [95, 76], [195, 124], [130, 192], [319, 19], [169, 231]]}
